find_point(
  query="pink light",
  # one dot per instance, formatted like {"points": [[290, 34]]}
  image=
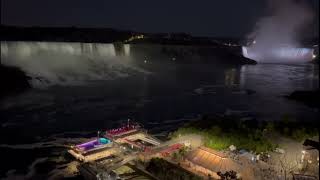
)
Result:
{"points": [[121, 130]]}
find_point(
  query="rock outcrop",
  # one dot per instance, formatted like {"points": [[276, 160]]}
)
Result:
{"points": [[310, 98], [13, 81]]}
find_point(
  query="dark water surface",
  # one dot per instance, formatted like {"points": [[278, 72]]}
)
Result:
{"points": [[161, 100], [168, 92]]}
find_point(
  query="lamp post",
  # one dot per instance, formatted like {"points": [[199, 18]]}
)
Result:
{"points": [[98, 136]]}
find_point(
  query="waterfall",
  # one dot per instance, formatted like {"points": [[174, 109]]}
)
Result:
{"points": [[65, 63], [31, 48], [279, 54]]}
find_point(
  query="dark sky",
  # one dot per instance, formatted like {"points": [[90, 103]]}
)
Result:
{"points": [[204, 17]]}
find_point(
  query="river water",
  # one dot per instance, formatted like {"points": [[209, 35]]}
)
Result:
{"points": [[97, 92], [87, 87]]}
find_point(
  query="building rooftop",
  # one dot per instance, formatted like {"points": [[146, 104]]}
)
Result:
{"points": [[122, 130], [212, 160]]}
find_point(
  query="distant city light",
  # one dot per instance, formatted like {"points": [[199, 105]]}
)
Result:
{"points": [[135, 37]]}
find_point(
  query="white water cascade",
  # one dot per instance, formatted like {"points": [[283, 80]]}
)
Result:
{"points": [[66, 63], [278, 54]]}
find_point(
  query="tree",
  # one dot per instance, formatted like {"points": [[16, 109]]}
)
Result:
{"points": [[270, 126], [175, 155], [288, 165], [183, 152]]}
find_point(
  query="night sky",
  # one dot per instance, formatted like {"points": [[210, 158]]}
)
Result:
{"points": [[224, 18]]}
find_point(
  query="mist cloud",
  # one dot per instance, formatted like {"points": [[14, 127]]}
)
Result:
{"points": [[276, 36]]}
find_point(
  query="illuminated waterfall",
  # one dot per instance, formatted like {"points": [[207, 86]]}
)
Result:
{"points": [[280, 54], [64, 63], [31, 48], [127, 49]]}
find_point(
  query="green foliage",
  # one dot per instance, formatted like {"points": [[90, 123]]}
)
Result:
{"points": [[215, 130], [182, 152], [286, 131], [219, 133], [296, 130], [216, 139], [175, 156], [302, 134]]}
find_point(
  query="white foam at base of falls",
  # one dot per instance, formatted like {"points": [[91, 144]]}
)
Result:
{"points": [[278, 54]]}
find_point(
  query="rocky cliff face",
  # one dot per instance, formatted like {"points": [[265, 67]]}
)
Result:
{"points": [[190, 53], [13, 80], [310, 98]]}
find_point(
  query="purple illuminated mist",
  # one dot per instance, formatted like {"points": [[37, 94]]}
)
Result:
{"points": [[276, 37]]}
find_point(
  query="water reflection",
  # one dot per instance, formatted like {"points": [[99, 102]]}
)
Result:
{"points": [[169, 92], [232, 77], [278, 79], [242, 76]]}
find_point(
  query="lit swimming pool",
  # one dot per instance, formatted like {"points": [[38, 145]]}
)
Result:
{"points": [[93, 144]]}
